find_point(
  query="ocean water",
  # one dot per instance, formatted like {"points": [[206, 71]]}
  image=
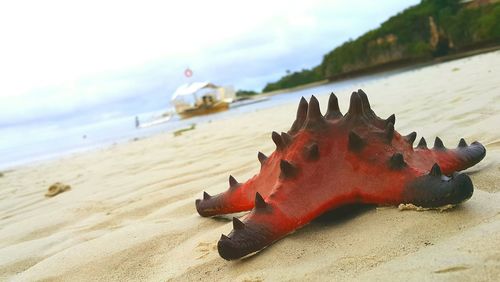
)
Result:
{"points": [[28, 143]]}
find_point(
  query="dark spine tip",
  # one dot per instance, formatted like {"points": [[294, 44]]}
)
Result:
{"points": [[314, 119], [301, 116], [287, 169], [391, 119], [438, 144], [206, 196], [355, 142], [224, 237], [435, 170], [313, 110], [287, 139], [259, 201], [462, 143], [355, 105], [389, 132], [302, 109], [262, 158], [278, 141], [333, 111], [312, 152], [397, 161], [364, 100], [237, 224], [233, 182], [422, 144], [410, 138]]}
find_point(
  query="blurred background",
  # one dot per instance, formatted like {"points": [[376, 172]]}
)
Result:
{"points": [[76, 75]]}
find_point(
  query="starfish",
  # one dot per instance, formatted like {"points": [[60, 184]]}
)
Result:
{"points": [[327, 161]]}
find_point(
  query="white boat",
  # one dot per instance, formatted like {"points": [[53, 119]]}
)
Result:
{"points": [[201, 98]]}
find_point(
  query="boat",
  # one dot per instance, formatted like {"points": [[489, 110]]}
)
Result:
{"points": [[201, 98]]}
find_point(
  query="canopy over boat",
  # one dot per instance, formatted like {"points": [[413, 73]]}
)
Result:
{"points": [[191, 88]]}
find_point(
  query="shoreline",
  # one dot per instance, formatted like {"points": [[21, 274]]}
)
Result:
{"points": [[398, 66]]}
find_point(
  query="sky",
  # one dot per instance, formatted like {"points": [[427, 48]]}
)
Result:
{"points": [[59, 58]]}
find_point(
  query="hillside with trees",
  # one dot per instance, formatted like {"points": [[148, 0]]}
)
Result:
{"points": [[423, 32]]}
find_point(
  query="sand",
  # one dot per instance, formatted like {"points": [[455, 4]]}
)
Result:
{"points": [[130, 214]]}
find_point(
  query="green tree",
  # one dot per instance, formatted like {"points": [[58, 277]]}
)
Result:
{"points": [[406, 37]]}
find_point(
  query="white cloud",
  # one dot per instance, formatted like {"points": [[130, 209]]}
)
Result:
{"points": [[59, 55]]}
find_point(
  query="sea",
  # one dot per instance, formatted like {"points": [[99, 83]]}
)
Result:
{"points": [[34, 142]]}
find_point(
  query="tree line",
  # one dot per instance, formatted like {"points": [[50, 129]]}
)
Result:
{"points": [[431, 29]]}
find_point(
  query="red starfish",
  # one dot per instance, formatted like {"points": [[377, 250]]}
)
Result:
{"points": [[325, 162]]}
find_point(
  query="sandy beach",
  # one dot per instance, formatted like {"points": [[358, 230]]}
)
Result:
{"points": [[130, 212]]}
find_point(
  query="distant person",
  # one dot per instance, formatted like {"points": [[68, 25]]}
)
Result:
{"points": [[137, 122]]}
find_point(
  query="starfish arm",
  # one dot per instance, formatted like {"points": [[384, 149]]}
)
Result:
{"points": [[223, 203], [460, 158], [411, 185], [259, 230], [240, 196], [436, 190], [451, 160], [269, 222]]}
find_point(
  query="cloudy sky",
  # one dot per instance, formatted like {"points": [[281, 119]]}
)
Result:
{"points": [[61, 57]]}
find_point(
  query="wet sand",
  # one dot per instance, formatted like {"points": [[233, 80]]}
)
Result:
{"points": [[130, 213]]}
